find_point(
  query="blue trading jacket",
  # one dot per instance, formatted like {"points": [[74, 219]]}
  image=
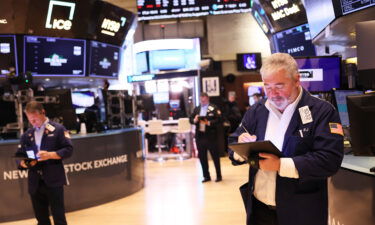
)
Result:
{"points": [[317, 152], [55, 139]]}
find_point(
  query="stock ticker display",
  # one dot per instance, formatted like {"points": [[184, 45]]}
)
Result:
{"points": [[163, 9], [349, 6]]}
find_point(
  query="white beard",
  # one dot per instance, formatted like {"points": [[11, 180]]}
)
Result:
{"points": [[280, 105]]}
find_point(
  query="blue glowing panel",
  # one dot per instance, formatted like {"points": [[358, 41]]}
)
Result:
{"points": [[320, 74]]}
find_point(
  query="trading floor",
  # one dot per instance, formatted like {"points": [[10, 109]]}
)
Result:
{"points": [[173, 195]]}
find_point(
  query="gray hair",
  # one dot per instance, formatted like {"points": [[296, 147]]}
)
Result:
{"points": [[279, 61]]}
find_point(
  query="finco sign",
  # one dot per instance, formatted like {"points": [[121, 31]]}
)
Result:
{"points": [[60, 24]]}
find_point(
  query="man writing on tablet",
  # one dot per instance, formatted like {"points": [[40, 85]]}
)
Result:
{"points": [[291, 190]]}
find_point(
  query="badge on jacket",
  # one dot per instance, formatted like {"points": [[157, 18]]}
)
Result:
{"points": [[50, 128], [305, 114]]}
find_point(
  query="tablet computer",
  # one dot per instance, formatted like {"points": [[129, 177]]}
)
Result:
{"points": [[248, 149]]}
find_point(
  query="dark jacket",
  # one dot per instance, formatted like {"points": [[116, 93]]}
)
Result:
{"points": [[213, 115], [317, 154], [51, 171]]}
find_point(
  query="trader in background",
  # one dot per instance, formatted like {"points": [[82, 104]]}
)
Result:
{"points": [[291, 190], [206, 118], [43, 147]]}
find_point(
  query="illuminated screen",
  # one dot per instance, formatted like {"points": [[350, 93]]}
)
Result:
{"points": [[163, 9], [46, 56], [141, 61], [167, 59], [249, 61], [83, 99], [349, 6], [342, 108], [320, 13], [161, 97], [104, 60], [284, 14], [295, 41], [8, 55], [174, 104], [320, 74]]}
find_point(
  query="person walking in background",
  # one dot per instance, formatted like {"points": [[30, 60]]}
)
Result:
{"points": [[43, 148], [232, 113], [206, 118], [291, 190]]}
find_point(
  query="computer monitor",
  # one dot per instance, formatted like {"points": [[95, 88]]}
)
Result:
{"points": [[361, 109], [82, 100], [161, 97], [174, 104], [7, 113], [340, 102], [50, 56], [104, 60], [249, 61], [319, 74], [8, 55]]}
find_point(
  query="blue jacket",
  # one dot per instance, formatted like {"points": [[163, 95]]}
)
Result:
{"points": [[317, 155], [56, 139]]}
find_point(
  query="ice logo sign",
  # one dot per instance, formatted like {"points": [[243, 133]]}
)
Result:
{"points": [[60, 24]]}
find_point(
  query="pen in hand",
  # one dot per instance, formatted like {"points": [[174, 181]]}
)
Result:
{"points": [[246, 137]]}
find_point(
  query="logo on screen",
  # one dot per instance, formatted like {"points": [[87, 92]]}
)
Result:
{"points": [[105, 63], [311, 74], [55, 60], [60, 24]]}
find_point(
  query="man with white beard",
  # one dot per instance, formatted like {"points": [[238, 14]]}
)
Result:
{"points": [[291, 190]]}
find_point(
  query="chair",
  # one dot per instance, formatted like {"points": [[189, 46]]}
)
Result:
{"points": [[155, 127], [183, 127]]}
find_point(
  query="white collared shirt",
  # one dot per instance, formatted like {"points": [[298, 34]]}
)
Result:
{"points": [[277, 124], [38, 133], [203, 111]]}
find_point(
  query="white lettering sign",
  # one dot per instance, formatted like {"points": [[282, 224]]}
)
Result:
{"points": [[285, 12], [60, 24], [110, 27], [3, 21]]}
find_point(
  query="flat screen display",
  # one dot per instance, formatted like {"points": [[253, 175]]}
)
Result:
{"points": [[319, 74], [83, 99], [320, 13], [249, 61], [284, 14], [349, 6], [141, 62], [295, 41], [47, 56], [165, 9], [104, 60], [8, 55], [172, 59], [161, 97], [342, 108]]}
